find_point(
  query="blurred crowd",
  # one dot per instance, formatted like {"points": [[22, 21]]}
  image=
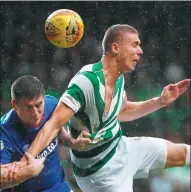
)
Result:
{"points": [[165, 33]]}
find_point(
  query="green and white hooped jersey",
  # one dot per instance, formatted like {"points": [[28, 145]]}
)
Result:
{"points": [[85, 95]]}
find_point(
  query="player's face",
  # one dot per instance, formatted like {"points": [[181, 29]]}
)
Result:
{"points": [[129, 52], [30, 111]]}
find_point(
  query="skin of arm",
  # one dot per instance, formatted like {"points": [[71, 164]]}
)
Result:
{"points": [[23, 174], [66, 163], [60, 116], [49, 131], [19, 175], [135, 110]]}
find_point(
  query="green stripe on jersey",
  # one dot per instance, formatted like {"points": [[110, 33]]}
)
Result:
{"points": [[96, 151], [88, 171], [77, 94], [104, 128], [100, 105]]}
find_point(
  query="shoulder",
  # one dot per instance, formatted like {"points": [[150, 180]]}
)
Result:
{"points": [[8, 118], [8, 124], [84, 77], [85, 81], [50, 104], [88, 67], [50, 100]]}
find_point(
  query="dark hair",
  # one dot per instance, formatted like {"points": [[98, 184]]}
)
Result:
{"points": [[27, 87], [114, 33]]}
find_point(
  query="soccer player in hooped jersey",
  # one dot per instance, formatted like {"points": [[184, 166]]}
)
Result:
{"points": [[95, 99], [31, 109]]}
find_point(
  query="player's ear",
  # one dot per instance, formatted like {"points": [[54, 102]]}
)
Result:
{"points": [[13, 104], [115, 49]]}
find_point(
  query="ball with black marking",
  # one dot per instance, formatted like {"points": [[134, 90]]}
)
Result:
{"points": [[64, 28]]}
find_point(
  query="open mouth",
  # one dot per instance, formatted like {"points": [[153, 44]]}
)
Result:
{"points": [[136, 61]]}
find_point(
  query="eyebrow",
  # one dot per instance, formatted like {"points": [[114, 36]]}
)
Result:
{"points": [[137, 42], [40, 102]]}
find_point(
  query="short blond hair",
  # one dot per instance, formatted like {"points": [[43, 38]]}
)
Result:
{"points": [[114, 33]]}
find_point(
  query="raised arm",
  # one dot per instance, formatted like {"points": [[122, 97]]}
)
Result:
{"points": [[49, 131], [134, 110], [73, 100], [12, 175]]}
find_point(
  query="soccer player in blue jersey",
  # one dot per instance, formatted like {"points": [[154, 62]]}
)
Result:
{"points": [[31, 109]]}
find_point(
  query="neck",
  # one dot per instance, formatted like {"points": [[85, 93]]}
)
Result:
{"points": [[111, 71]]}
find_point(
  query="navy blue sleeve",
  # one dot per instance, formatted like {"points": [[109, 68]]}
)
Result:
{"points": [[6, 147]]}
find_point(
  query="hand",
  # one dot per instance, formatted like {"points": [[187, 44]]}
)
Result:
{"points": [[82, 142], [14, 166], [171, 92], [36, 165], [23, 162], [11, 170]]}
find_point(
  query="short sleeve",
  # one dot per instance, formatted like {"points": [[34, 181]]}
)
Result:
{"points": [[6, 147], [78, 92]]}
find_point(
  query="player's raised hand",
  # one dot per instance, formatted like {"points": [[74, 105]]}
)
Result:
{"points": [[172, 91]]}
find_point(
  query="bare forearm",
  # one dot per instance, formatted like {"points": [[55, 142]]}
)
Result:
{"points": [[49, 131], [23, 174], [43, 138], [136, 110], [67, 166], [65, 139]]}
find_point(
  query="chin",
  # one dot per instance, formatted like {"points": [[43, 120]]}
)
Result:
{"points": [[130, 69], [34, 123]]}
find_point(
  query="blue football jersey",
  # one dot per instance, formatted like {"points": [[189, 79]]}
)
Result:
{"points": [[15, 140]]}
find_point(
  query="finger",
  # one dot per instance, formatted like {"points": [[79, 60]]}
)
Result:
{"points": [[16, 170], [85, 134], [10, 173], [87, 140], [8, 169], [183, 83], [42, 162], [43, 159], [4, 172], [5, 165], [171, 86], [182, 91]]}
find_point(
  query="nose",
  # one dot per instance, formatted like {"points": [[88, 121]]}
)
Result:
{"points": [[140, 51], [36, 112]]}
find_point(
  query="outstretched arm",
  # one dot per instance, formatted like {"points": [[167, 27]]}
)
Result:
{"points": [[134, 110], [49, 131], [12, 175]]}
